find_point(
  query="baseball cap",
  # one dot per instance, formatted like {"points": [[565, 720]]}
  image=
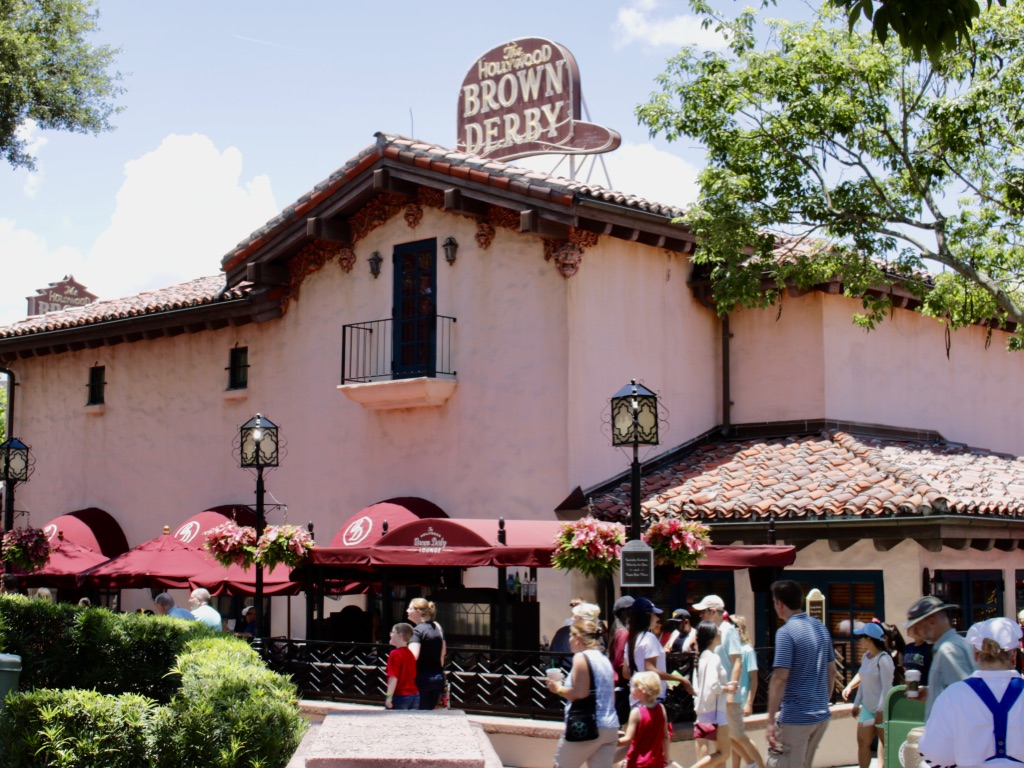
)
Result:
{"points": [[924, 608], [680, 614], [710, 601], [1005, 632], [623, 603], [642, 604], [871, 630]]}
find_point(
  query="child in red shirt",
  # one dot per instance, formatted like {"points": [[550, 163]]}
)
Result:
{"points": [[647, 731], [401, 671]]}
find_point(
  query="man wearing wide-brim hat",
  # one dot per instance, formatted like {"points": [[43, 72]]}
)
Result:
{"points": [[952, 657]]}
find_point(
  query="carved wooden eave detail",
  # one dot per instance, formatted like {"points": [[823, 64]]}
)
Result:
{"points": [[568, 254]]}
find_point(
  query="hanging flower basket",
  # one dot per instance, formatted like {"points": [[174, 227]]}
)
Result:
{"points": [[589, 546], [677, 543], [231, 544], [26, 548], [285, 544]]}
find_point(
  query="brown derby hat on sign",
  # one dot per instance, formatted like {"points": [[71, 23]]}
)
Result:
{"points": [[924, 608]]}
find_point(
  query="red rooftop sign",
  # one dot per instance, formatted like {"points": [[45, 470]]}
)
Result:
{"points": [[523, 98], [67, 293]]}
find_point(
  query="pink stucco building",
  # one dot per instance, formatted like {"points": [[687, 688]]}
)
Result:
{"points": [[485, 389]]}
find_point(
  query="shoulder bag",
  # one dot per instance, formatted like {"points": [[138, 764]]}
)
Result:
{"points": [[581, 723]]}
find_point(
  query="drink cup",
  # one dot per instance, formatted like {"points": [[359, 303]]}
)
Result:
{"points": [[913, 678], [556, 674]]}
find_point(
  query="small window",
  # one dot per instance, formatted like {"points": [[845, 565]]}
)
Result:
{"points": [[238, 368], [96, 386]]}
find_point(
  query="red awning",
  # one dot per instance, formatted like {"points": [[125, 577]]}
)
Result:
{"points": [[237, 581], [366, 526], [464, 543], [169, 560], [79, 541], [469, 543], [732, 558]]}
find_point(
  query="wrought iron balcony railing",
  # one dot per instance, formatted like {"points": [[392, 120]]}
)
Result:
{"points": [[397, 348]]}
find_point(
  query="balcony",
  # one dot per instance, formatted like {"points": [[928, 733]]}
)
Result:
{"points": [[397, 362]]}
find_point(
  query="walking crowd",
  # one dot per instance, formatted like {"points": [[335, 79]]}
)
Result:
{"points": [[618, 684]]}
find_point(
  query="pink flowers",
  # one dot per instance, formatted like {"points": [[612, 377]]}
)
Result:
{"points": [[231, 544], [285, 544], [677, 543], [27, 548], [589, 546]]}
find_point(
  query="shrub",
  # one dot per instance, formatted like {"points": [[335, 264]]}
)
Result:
{"points": [[41, 633], [223, 707], [63, 646], [247, 715], [75, 729]]}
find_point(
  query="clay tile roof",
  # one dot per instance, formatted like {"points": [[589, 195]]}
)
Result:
{"points": [[827, 476], [203, 290], [460, 165]]}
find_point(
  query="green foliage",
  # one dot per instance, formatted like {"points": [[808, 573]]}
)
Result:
{"points": [[64, 646], [933, 26], [75, 729], [247, 715], [42, 633], [51, 74], [832, 156], [3, 409], [222, 708]]}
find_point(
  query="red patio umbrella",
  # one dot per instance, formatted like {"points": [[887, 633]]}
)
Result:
{"points": [[238, 581], [79, 541], [171, 559]]}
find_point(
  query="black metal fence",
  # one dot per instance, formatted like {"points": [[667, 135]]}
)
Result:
{"points": [[482, 681], [370, 351]]}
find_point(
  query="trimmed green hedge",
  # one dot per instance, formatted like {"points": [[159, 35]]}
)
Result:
{"points": [[163, 693]]}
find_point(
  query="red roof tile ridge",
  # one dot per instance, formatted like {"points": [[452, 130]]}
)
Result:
{"points": [[200, 290]]}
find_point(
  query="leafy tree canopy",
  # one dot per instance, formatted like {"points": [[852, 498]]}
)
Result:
{"points": [[50, 74], [933, 26], [868, 161]]}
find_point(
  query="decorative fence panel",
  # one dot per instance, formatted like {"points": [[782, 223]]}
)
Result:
{"points": [[482, 681]]}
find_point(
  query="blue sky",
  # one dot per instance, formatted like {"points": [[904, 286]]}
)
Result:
{"points": [[234, 109]]}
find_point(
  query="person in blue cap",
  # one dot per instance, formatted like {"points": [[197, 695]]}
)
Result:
{"points": [[876, 675]]}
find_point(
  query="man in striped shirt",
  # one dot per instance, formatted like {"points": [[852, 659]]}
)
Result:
{"points": [[802, 681]]}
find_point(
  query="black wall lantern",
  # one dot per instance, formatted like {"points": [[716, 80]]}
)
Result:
{"points": [[451, 247], [375, 261], [15, 468]]}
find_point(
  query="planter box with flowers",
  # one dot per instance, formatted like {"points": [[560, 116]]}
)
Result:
{"points": [[677, 543], [231, 544], [589, 546], [26, 548]]}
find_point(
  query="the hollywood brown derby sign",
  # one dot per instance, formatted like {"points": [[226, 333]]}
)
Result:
{"points": [[523, 98], [57, 296]]}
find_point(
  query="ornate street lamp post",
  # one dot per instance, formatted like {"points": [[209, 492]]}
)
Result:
{"points": [[259, 449], [635, 422]]}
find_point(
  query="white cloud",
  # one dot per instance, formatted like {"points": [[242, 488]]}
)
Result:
{"points": [[28, 265], [639, 22], [637, 169], [180, 209]]}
